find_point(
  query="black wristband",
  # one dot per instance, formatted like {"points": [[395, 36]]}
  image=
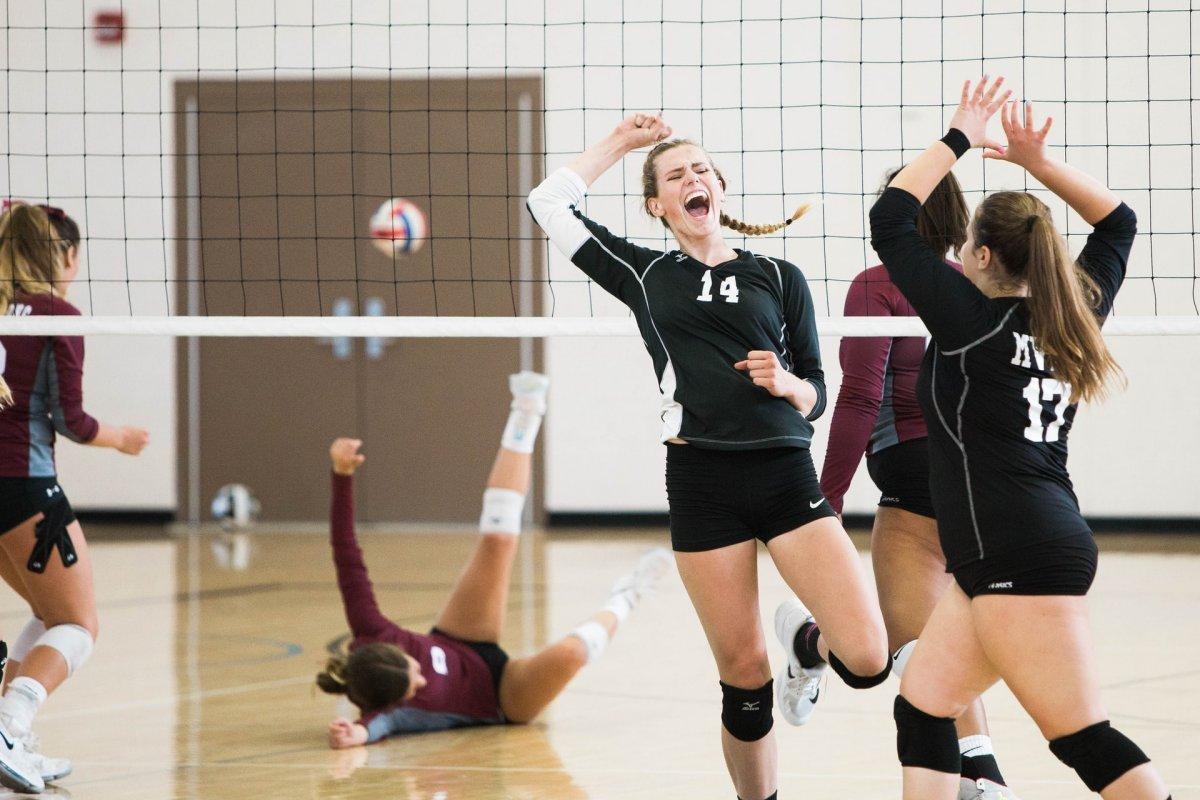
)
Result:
{"points": [[957, 141]]}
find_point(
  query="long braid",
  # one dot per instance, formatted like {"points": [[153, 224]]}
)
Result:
{"points": [[761, 230]]}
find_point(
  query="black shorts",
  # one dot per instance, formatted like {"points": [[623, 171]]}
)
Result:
{"points": [[1058, 567], [491, 653], [723, 497], [901, 472], [22, 498]]}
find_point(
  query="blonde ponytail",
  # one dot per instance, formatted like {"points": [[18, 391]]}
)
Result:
{"points": [[1062, 298], [1062, 315], [762, 230], [28, 261], [29, 253]]}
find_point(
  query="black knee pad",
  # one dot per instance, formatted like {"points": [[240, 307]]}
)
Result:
{"points": [[746, 713], [858, 681], [1099, 754], [926, 741]]}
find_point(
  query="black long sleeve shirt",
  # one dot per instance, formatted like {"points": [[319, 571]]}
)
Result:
{"points": [[697, 322], [998, 419]]}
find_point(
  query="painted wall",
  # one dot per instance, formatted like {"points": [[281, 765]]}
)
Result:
{"points": [[793, 108]]}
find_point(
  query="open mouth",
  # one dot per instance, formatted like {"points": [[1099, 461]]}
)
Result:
{"points": [[697, 205]]}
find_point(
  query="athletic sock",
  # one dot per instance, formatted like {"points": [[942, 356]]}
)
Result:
{"points": [[805, 645], [594, 637], [978, 759], [521, 431], [620, 604], [20, 704]]}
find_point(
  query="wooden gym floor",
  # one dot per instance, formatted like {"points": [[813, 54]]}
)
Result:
{"points": [[201, 683]]}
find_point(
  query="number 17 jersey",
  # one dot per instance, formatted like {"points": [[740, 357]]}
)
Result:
{"points": [[998, 417]]}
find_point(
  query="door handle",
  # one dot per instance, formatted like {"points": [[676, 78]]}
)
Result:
{"points": [[342, 346], [374, 345]]}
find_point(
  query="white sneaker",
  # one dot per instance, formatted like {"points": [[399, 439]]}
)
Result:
{"points": [[51, 769], [797, 688], [17, 770], [983, 789], [643, 581], [528, 391]]}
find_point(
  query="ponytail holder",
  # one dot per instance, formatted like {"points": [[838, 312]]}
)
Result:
{"points": [[1030, 222], [9, 203]]}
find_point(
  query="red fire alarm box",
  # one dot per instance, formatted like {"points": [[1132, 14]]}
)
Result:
{"points": [[109, 26]]}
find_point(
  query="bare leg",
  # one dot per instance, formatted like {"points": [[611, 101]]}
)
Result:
{"points": [[11, 575], [946, 673], [910, 575], [62, 595], [476, 608], [821, 566], [530, 684], [723, 586], [1030, 638]]}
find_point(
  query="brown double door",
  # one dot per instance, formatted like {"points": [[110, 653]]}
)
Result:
{"points": [[277, 181]]}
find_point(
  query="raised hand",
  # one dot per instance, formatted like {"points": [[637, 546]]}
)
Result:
{"points": [[976, 108], [1026, 144], [642, 130], [345, 456]]}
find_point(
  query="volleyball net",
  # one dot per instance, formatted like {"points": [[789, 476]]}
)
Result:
{"points": [[229, 163]]}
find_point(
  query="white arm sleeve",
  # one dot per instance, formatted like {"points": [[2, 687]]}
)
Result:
{"points": [[551, 205]]}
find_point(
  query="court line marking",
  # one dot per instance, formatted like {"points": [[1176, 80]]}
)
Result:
{"points": [[569, 772], [245, 688]]}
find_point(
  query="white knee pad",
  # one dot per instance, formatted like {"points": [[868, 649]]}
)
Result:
{"points": [[72, 641], [502, 511], [900, 658], [27, 639], [594, 637]]}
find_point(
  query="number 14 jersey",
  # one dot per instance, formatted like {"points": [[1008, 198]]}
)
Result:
{"points": [[697, 322], [998, 418]]}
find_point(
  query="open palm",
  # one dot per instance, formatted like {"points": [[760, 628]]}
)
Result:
{"points": [[1026, 144], [976, 107]]}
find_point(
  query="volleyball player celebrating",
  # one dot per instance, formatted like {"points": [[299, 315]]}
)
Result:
{"points": [[1016, 343], [877, 412], [456, 675], [44, 555], [732, 337]]}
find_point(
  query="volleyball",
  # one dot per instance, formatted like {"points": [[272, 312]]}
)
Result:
{"points": [[398, 227], [235, 506]]}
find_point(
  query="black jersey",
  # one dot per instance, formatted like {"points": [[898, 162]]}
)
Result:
{"points": [[697, 322], [998, 418]]}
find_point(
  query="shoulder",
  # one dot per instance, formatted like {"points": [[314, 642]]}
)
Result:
{"points": [[46, 304], [875, 277], [778, 268]]}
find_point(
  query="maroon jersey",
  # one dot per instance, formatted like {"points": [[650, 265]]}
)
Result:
{"points": [[460, 690], [45, 374], [877, 402]]}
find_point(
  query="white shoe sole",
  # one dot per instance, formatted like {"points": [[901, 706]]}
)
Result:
{"points": [[56, 776], [11, 779]]}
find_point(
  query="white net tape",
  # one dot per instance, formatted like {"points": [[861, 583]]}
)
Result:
{"points": [[510, 327]]}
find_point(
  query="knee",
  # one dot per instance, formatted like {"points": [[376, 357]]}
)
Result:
{"points": [[745, 668], [864, 666], [747, 713], [1099, 754], [73, 642], [86, 621], [924, 740]]}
